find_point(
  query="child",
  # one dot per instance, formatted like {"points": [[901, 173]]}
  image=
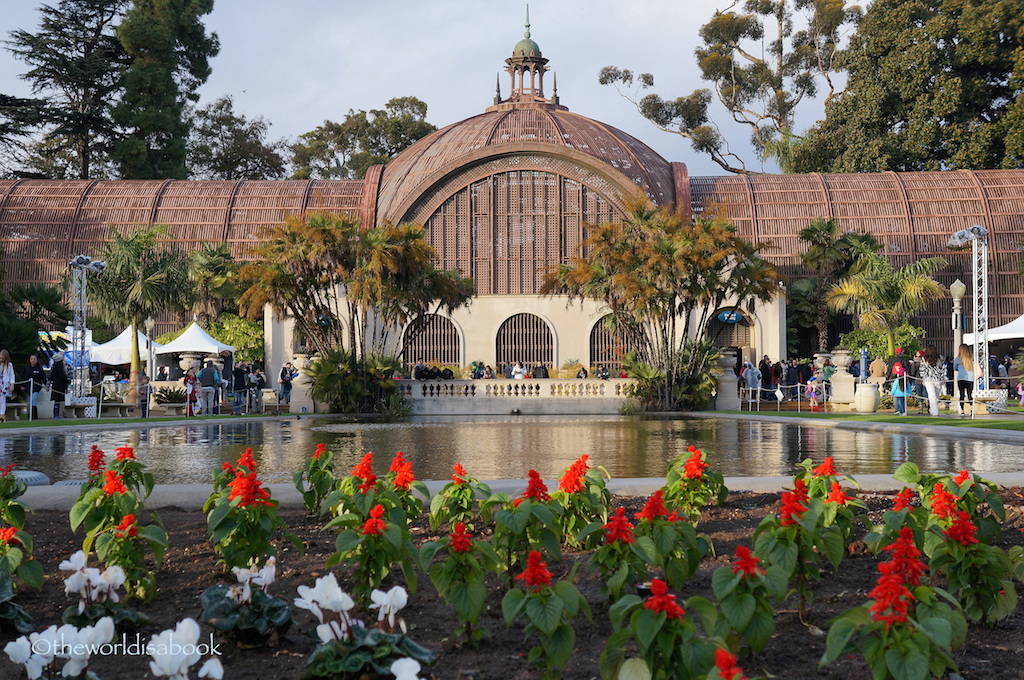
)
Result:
{"points": [[1020, 392], [812, 393]]}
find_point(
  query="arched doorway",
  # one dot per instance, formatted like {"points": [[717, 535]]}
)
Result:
{"points": [[607, 347], [527, 339], [435, 340]]}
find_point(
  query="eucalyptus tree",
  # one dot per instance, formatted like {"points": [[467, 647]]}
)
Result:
{"points": [[882, 295], [664, 277], [145, 275]]}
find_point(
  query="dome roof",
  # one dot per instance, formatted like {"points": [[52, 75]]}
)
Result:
{"points": [[526, 48], [506, 131]]}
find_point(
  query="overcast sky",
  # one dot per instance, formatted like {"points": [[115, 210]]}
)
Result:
{"points": [[299, 62]]}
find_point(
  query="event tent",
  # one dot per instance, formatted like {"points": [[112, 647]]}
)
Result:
{"points": [[1011, 331], [119, 350], [195, 340]]}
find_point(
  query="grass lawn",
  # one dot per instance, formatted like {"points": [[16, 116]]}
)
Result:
{"points": [[1003, 421]]}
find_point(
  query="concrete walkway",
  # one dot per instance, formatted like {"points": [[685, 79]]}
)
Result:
{"points": [[192, 496]]}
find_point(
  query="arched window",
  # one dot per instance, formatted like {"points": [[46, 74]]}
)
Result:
{"points": [[434, 340], [527, 339], [730, 334], [607, 347]]}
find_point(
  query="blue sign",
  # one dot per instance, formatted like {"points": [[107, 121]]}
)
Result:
{"points": [[730, 317]]}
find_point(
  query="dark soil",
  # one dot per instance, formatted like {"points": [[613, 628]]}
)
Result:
{"points": [[992, 653]]}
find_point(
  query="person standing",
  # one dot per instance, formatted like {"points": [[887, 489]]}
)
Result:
{"points": [[240, 387], [161, 374], [288, 374], [36, 379], [899, 388], [6, 382], [209, 381], [964, 367], [932, 376], [765, 367], [145, 389], [257, 381], [59, 382], [191, 391]]}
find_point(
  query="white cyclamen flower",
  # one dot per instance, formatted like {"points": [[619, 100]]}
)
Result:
{"points": [[406, 669], [212, 669], [74, 563], [325, 594], [20, 651], [389, 604], [330, 631], [169, 659], [266, 575]]}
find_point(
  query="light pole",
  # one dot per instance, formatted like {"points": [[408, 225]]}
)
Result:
{"points": [[977, 236], [150, 322], [80, 266], [958, 289]]}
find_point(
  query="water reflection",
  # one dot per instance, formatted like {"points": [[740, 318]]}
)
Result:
{"points": [[506, 447]]}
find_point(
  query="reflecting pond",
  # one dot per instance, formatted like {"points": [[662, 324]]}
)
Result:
{"points": [[505, 447]]}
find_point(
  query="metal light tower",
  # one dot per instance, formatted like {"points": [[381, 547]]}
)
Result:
{"points": [[978, 238], [80, 266]]}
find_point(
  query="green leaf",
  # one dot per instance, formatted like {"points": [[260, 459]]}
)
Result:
{"points": [[645, 549], [467, 599], [634, 669], [622, 607], [907, 664], [511, 604], [907, 473], [545, 613], [558, 647], [31, 572], [835, 547], [724, 581], [759, 631], [838, 639], [647, 624], [347, 541], [738, 608]]}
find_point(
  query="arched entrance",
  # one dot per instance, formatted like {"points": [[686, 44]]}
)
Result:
{"points": [[435, 340], [607, 347], [527, 339]]}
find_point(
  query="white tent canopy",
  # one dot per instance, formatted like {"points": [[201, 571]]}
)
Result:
{"points": [[195, 340], [1011, 331], [119, 350]]}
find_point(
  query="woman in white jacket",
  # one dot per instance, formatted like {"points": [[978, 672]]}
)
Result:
{"points": [[6, 382]]}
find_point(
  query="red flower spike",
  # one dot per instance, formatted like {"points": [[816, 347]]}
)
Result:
{"points": [[726, 665], [398, 462], [891, 597], [694, 467], [375, 525], [943, 502], [535, 488], [826, 469], [321, 448], [460, 541], [906, 558], [619, 528], [460, 474], [125, 453], [962, 531], [746, 562], [838, 495], [97, 461], [246, 460], [249, 489], [800, 491], [962, 477], [7, 536], [365, 467], [654, 508], [369, 484], [536, 573], [903, 499], [127, 527], [792, 510], [661, 601], [572, 480], [6, 470], [674, 516], [113, 483]]}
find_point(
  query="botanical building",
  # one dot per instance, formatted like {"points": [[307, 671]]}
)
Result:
{"points": [[507, 195]]}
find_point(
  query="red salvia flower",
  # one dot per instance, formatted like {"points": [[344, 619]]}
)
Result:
{"points": [[127, 527], [826, 469], [572, 480], [726, 665], [962, 477], [619, 528], [460, 541], [375, 525], [694, 467], [365, 467], [113, 483], [943, 502], [398, 462], [674, 516], [246, 460], [460, 474], [369, 483], [248, 487], [903, 499], [536, 573], [791, 510], [227, 466], [891, 597], [654, 508], [404, 477], [962, 531], [7, 535], [662, 601], [97, 461], [6, 470], [125, 453], [746, 562], [906, 558], [320, 449], [838, 495], [535, 488], [800, 491]]}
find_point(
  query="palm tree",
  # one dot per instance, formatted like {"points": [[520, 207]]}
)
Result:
{"points": [[212, 271], [884, 296], [830, 254], [144, 277]]}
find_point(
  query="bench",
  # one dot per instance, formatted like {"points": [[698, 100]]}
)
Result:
{"points": [[171, 409], [116, 409], [77, 410], [17, 410]]}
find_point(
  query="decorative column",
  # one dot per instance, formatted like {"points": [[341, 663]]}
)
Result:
{"points": [[728, 397], [843, 384]]}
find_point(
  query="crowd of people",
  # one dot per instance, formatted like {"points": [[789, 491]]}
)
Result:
{"points": [[510, 371]]}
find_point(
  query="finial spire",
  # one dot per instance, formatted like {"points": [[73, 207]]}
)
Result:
{"points": [[497, 88], [527, 34]]}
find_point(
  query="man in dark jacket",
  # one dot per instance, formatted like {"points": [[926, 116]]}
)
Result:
{"points": [[36, 379], [240, 386], [59, 382]]}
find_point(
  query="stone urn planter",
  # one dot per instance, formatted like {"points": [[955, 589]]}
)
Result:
{"points": [[868, 398]]}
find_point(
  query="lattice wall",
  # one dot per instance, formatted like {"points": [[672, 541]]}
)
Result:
{"points": [[607, 347], [436, 341], [527, 339]]}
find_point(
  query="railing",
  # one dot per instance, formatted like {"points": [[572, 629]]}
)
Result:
{"points": [[618, 388]]}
